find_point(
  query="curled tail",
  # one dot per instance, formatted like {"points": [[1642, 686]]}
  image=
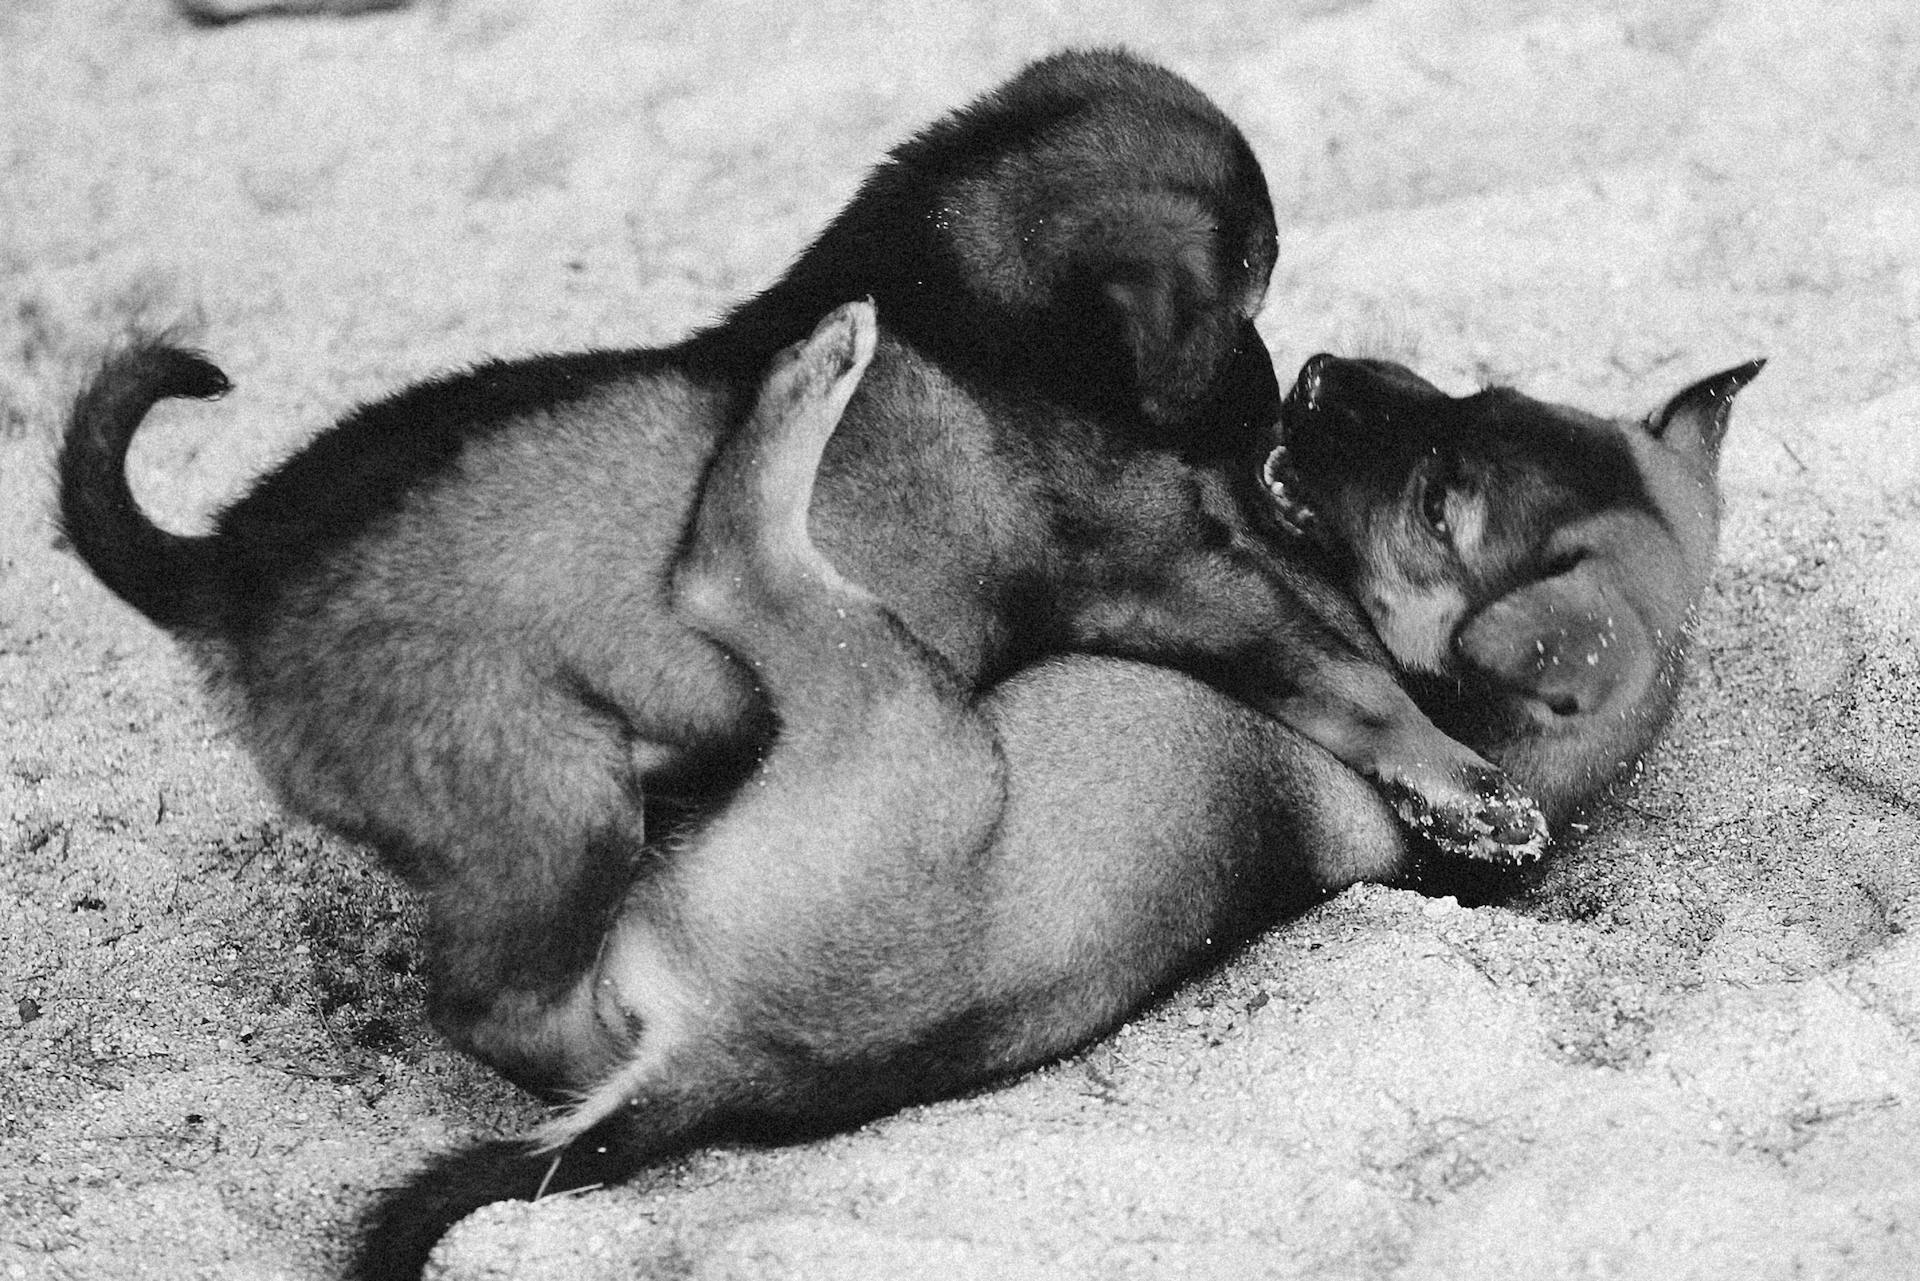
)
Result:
{"points": [[170, 578]]}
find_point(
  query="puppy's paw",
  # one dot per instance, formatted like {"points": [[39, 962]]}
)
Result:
{"points": [[808, 384], [752, 555], [1473, 811]]}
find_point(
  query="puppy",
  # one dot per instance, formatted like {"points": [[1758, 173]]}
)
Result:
{"points": [[926, 888], [1532, 569], [444, 627]]}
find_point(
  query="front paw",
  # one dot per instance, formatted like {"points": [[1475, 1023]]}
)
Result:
{"points": [[1473, 810]]}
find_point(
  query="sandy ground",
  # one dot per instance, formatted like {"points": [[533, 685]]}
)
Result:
{"points": [[1689, 1048]]}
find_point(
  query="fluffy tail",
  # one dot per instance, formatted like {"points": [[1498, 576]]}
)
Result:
{"points": [[408, 1221], [171, 579]]}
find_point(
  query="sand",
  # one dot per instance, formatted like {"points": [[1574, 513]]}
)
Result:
{"points": [[1690, 1047]]}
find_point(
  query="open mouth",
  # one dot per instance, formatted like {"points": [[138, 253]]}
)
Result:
{"points": [[1282, 480], [1293, 512]]}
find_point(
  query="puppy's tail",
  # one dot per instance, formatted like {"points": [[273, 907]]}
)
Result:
{"points": [[172, 579], [662, 1119], [405, 1224]]}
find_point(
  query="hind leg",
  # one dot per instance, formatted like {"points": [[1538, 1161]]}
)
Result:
{"points": [[838, 666], [511, 982], [540, 846], [509, 809], [824, 913], [512, 941], [751, 564]]}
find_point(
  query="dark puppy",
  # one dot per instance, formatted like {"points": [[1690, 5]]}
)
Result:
{"points": [[925, 889], [444, 628]]}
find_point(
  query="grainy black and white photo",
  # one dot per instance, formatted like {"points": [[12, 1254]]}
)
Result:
{"points": [[873, 640]]}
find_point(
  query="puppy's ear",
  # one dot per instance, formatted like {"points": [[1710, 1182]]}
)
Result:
{"points": [[1569, 641], [1695, 421]]}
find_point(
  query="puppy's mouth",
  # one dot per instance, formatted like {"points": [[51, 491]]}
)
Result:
{"points": [[1294, 514], [1282, 479]]}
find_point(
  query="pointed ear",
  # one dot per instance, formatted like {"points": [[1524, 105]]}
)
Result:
{"points": [[1695, 421]]}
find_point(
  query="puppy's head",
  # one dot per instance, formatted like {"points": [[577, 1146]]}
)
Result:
{"points": [[1543, 556], [1118, 227]]}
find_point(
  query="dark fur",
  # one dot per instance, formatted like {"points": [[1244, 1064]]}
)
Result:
{"points": [[926, 890], [443, 627]]}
